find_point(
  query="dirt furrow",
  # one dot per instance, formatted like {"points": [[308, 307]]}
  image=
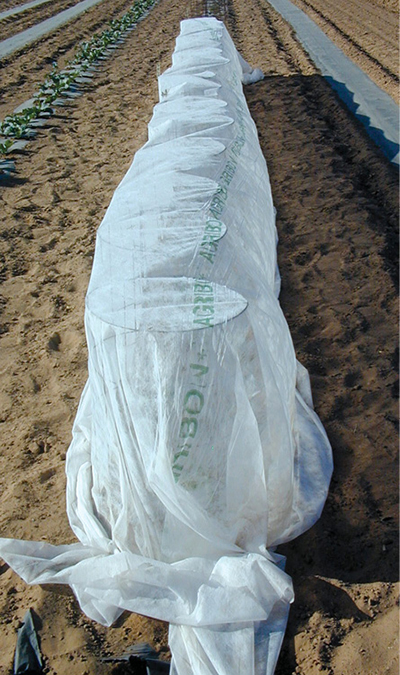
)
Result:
{"points": [[266, 40], [374, 19], [373, 45], [16, 24], [21, 72], [375, 32], [7, 4]]}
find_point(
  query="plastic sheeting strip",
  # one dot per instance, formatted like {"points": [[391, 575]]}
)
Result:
{"points": [[375, 109], [21, 8], [26, 37]]}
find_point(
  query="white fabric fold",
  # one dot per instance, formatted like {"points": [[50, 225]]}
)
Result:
{"points": [[195, 447], [193, 592]]}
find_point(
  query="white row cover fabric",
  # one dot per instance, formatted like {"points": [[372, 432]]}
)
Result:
{"points": [[195, 448]]}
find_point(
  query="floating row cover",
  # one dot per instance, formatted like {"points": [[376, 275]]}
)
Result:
{"points": [[195, 448]]}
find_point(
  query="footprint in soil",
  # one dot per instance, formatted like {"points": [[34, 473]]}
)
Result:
{"points": [[303, 258], [49, 245], [341, 405], [46, 475], [54, 342], [352, 378], [19, 267]]}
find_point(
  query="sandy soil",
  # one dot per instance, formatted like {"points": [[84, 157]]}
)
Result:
{"points": [[7, 4], [337, 218], [15, 24], [366, 31], [21, 72]]}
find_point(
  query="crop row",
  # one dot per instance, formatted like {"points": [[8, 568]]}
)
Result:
{"points": [[18, 124]]}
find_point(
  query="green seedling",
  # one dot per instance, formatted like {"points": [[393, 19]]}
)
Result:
{"points": [[4, 147], [57, 82]]}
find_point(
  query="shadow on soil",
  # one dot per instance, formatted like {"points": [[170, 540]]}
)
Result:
{"points": [[336, 197], [390, 148]]}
